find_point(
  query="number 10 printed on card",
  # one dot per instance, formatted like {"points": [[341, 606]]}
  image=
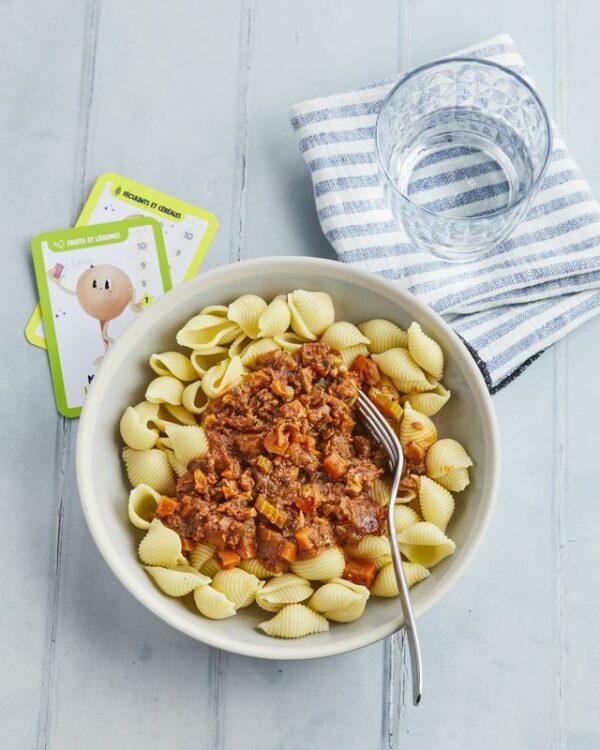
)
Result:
{"points": [[187, 229], [92, 282]]}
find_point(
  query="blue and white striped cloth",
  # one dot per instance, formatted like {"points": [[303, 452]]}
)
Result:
{"points": [[508, 307]]}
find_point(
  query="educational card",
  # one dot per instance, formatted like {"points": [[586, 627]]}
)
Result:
{"points": [[93, 281], [187, 229]]}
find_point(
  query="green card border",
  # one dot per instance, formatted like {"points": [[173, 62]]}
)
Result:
{"points": [[43, 289]]}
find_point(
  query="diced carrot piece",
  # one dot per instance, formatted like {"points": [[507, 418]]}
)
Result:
{"points": [[386, 405], [303, 537], [188, 545], [366, 369], [334, 465], [361, 572], [288, 552], [166, 506], [228, 558], [305, 504]]}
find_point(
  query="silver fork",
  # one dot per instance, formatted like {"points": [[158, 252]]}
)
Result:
{"points": [[389, 440]]}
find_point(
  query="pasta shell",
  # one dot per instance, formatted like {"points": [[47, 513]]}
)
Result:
{"points": [[312, 313], [275, 319], [222, 376], [404, 517], [135, 431], [210, 567], [161, 546], [204, 332], [294, 621], [350, 353], [426, 352], [246, 312], [257, 569], [428, 403], [147, 411], [383, 335], [176, 581], [179, 468], [149, 467], [380, 492], [405, 495], [203, 361], [455, 480], [425, 544], [181, 414], [256, 349], [174, 364], [403, 370], [289, 341], [347, 614], [334, 595], [341, 335], [444, 456], [369, 547], [238, 344], [165, 390], [286, 589], [220, 311], [200, 554], [329, 563], [416, 428], [437, 504], [194, 399], [143, 501], [188, 442], [213, 604], [386, 585], [237, 585]]}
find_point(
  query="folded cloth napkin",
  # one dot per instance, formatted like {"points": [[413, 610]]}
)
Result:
{"points": [[530, 291]]}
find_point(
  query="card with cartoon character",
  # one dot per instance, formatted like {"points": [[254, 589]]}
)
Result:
{"points": [[187, 229], [92, 283]]}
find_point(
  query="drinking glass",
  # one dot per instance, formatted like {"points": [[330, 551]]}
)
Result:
{"points": [[462, 146]]}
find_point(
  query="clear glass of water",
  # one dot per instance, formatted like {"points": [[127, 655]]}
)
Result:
{"points": [[462, 146]]}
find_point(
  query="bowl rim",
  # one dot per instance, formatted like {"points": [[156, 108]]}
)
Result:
{"points": [[224, 274]]}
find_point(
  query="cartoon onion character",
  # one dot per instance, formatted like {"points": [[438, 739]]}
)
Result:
{"points": [[103, 292]]}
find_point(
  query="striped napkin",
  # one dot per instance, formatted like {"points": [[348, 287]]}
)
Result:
{"points": [[529, 292]]}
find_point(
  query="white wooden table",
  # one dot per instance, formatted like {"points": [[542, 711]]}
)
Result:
{"points": [[192, 97]]}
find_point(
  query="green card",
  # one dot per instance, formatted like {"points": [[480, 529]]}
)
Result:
{"points": [[93, 281], [187, 229]]}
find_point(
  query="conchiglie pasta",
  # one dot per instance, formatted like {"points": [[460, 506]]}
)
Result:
{"points": [[425, 544], [455, 480], [143, 501], [246, 312], [237, 585], [368, 548], [294, 621], [289, 341], [256, 349], [200, 554], [181, 414], [147, 411], [210, 568], [188, 442], [149, 467], [428, 403], [340, 600], [386, 585], [350, 353], [437, 503], [406, 374], [416, 428], [275, 319], [179, 468], [380, 492], [329, 563], [444, 456], [165, 390], [238, 344], [194, 399], [161, 546], [204, 360], [204, 332], [220, 311], [222, 376], [135, 431], [404, 517], [312, 313], [383, 335], [256, 568], [177, 581], [341, 335], [283, 590], [426, 352], [213, 604], [174, 364]]}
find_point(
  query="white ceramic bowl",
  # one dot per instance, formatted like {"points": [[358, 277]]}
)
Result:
{"points": [[121, 381]]}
